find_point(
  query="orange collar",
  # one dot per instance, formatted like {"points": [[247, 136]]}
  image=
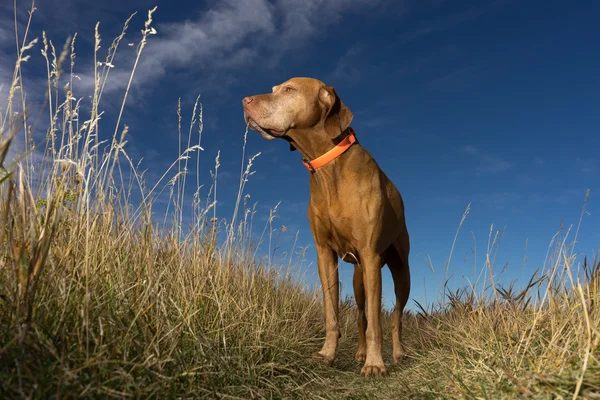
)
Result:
{"points": [[332, 154]]}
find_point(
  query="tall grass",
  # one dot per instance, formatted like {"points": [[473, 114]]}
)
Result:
{"points": [[541, 341], [98, 299]]}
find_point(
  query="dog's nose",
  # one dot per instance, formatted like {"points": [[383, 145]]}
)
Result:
{"points": [[247, 100]]}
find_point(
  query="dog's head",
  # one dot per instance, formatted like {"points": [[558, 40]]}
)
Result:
{"points": [[299, 103]]}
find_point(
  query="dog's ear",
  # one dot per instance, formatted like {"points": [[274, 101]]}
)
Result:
{"points": [[337, 116]]}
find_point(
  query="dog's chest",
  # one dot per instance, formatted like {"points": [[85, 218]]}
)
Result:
{"points": [[336, 228]]}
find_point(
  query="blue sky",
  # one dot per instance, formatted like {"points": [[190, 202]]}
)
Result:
{"points": [[493, 103]]}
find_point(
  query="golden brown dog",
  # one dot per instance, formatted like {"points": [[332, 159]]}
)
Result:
{"points": [[355, 212]]}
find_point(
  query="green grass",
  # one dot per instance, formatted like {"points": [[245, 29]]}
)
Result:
{"points": [[100, 300]]}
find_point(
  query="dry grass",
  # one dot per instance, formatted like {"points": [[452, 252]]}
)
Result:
{"points": [[99, 300]]}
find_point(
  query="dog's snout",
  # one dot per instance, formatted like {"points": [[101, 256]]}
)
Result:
{"points": [[248, 100]]}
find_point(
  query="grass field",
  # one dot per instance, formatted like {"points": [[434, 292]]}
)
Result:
{"points": [[98, 299]]}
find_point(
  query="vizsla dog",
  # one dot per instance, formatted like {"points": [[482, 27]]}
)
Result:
{"points": [[355, 212]]}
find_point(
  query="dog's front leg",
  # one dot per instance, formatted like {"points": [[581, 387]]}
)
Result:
{"points": [[371, 267], [327, 262]]}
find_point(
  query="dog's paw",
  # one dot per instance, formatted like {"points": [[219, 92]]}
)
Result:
{"points": [[399, 356], [375, 371], [323, 359], [361, 355]]}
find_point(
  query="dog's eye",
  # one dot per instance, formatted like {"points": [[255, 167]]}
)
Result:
{"points": [[289, 88]]}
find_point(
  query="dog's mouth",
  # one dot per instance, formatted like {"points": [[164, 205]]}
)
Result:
{"points": [[268, 134]]}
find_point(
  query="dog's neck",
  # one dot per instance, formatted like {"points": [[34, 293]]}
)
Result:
{"points": [[313, 144]]}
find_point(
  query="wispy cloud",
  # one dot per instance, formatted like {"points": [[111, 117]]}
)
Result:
{"points": [[7, 32], [446, 22], [457, 79], [570, 196], [227, 35], [531, 172], [487, 163], [346, 67], [7, 53], [500, 200], [5, 78], [586, 165]]}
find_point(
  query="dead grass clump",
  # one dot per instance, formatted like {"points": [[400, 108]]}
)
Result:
{"points": [[97, 298]]}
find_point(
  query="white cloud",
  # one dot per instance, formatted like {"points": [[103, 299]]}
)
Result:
{"points": [[441, 24], [6, 74], [7, 54], [228, 35], [471, 149], [455, 80], [487, 163], [346, 67], [586, 165], [225, 35], [6, 33]]}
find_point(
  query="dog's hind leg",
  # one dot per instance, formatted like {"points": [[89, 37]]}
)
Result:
{"points": [[397, 260], [359, 295]]}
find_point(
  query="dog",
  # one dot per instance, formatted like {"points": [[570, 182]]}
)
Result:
{"points": [[355, 212]]}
